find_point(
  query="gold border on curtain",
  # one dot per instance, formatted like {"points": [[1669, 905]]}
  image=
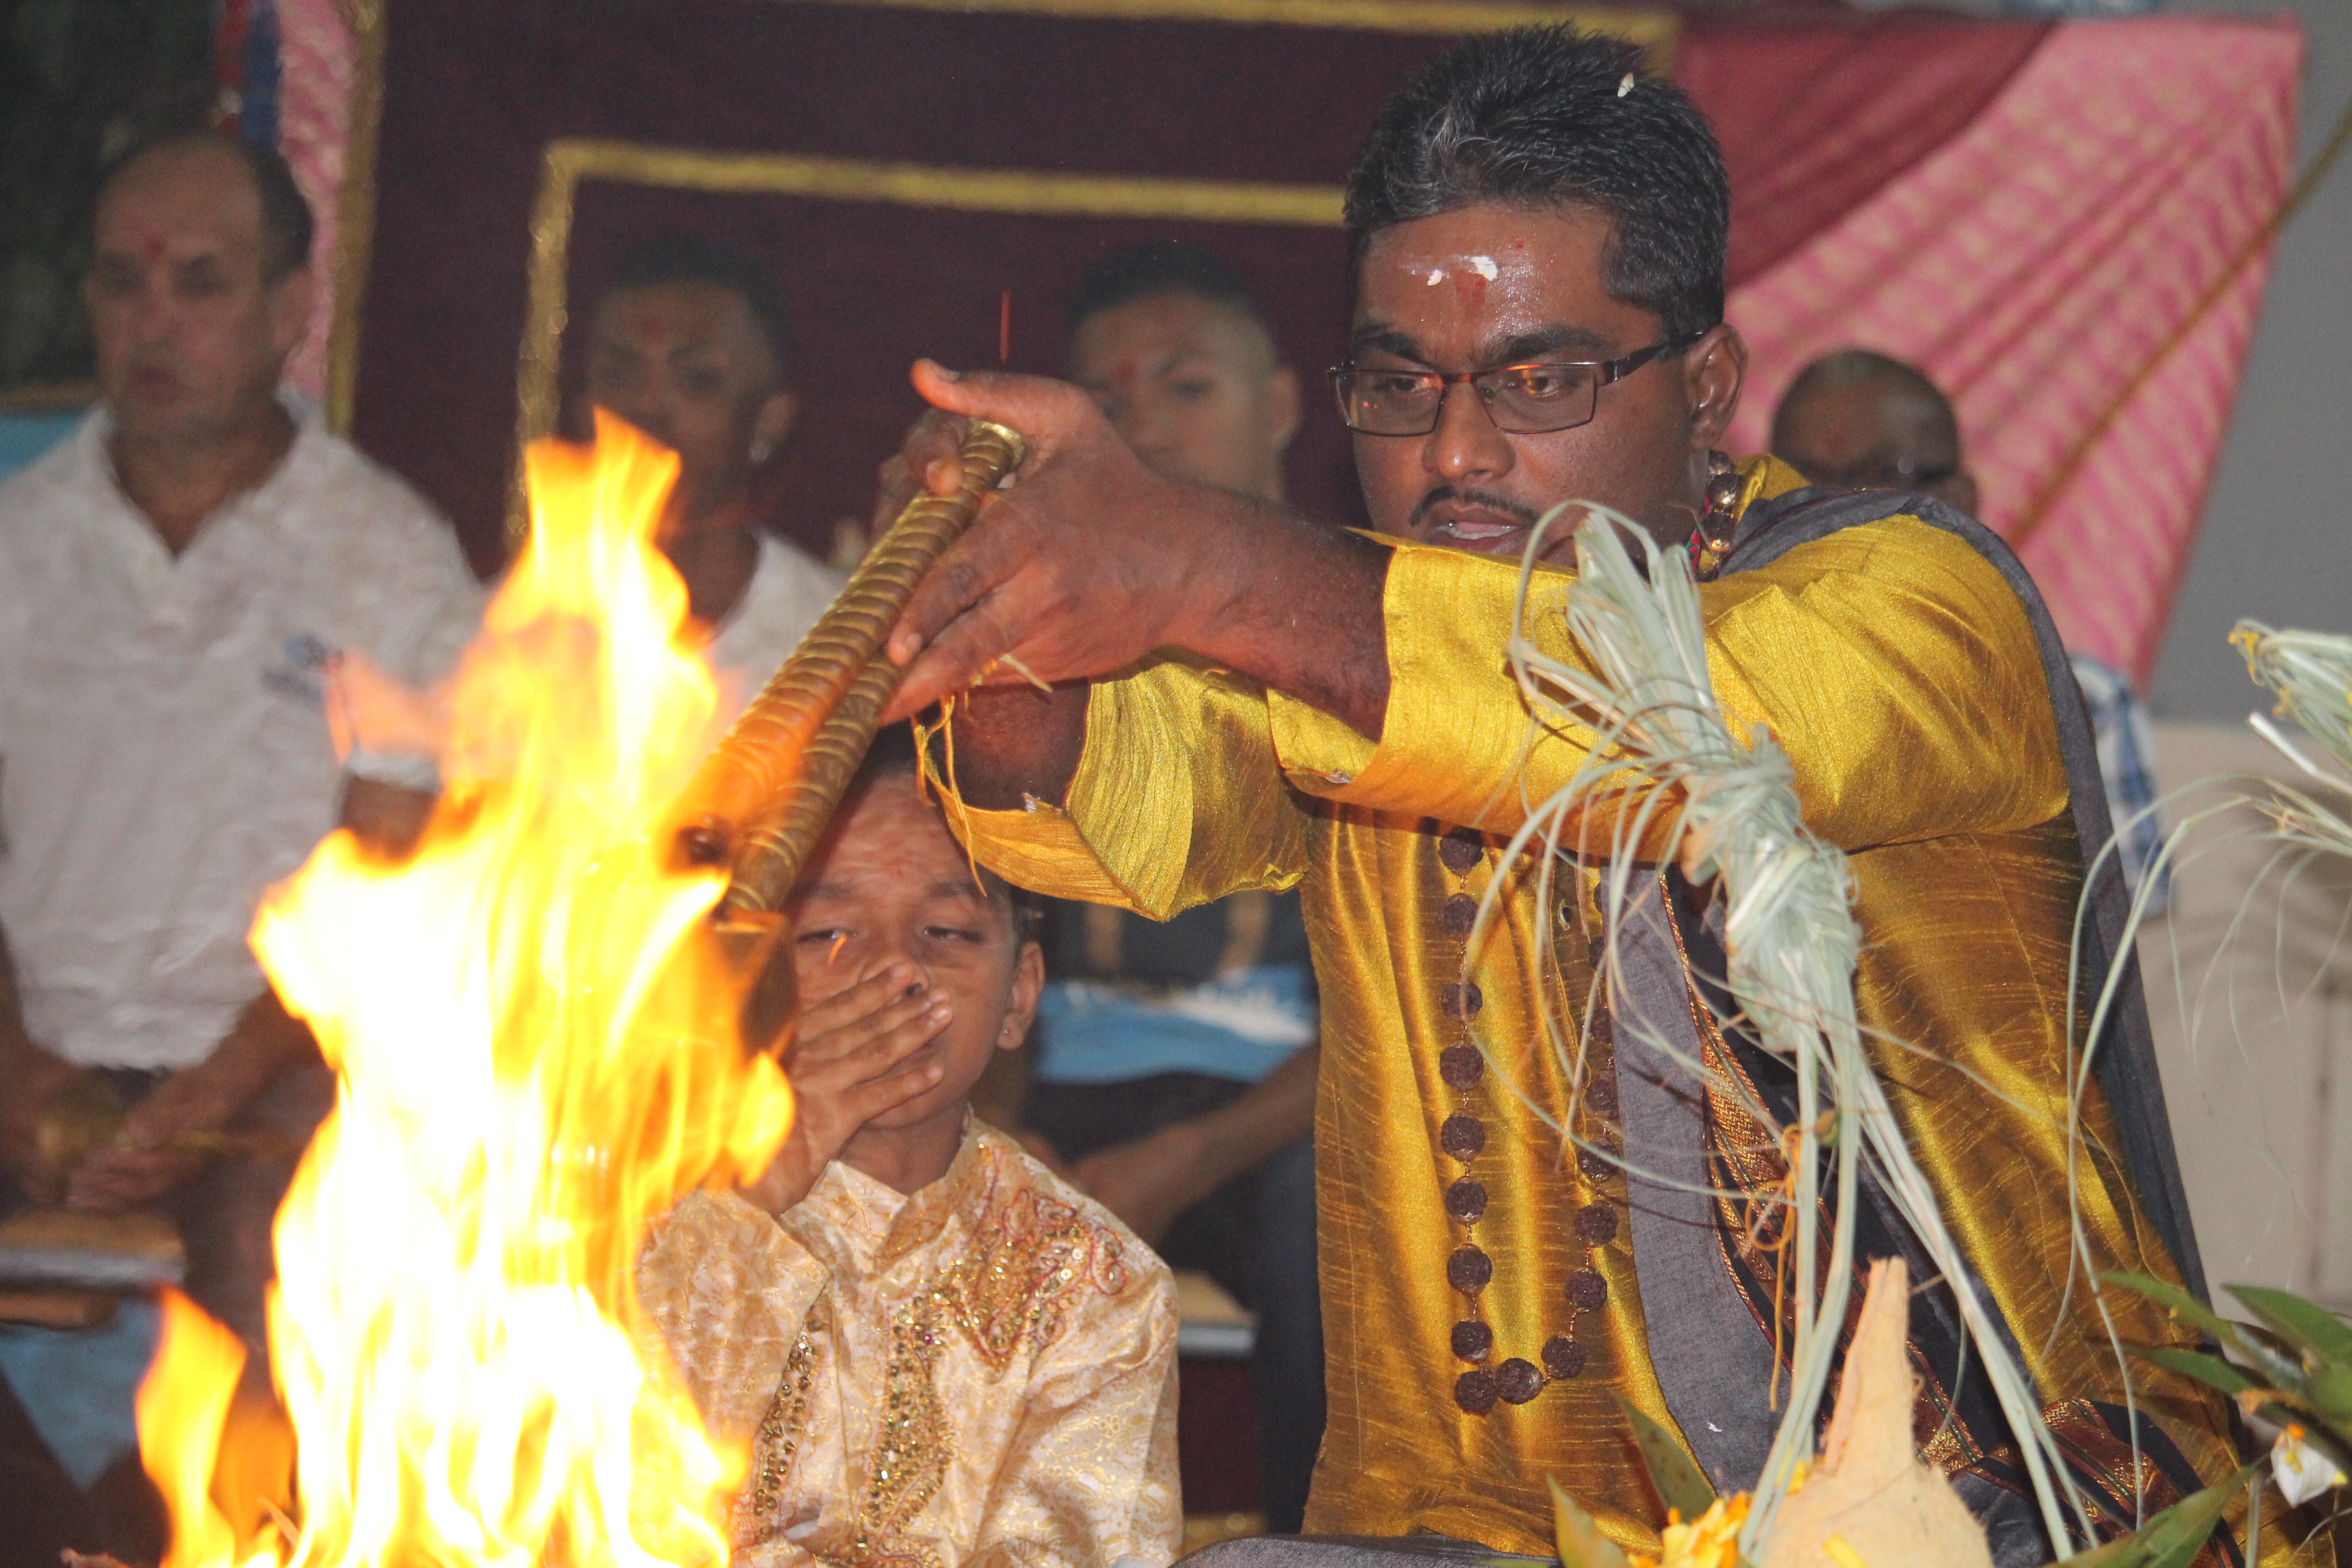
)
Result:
{"points": [[355, 209], [569, 162]]}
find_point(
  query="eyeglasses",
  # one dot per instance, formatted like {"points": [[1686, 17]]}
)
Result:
{"points": [[1521, 399]]}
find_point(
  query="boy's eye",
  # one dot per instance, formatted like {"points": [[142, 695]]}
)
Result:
{"points": [[822, 936], [951, 933]]}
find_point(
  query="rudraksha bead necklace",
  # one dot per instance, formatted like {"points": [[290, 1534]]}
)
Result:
{"points": [[1462, 1137]]}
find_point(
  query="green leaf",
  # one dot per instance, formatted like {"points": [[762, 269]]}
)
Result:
{"points": [[2123, 1552], [2331, 1392], [2308, 1324], [2210, 1370], [2168, 1540], [2177, 1535], [1580, 1543], [2180, 1303], [1678, 1482]]}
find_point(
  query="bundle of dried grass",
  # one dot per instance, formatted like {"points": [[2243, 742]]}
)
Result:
{"points": [[1667, 779]]}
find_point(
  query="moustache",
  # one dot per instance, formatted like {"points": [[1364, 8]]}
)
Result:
{"points": [[1524, 516]]}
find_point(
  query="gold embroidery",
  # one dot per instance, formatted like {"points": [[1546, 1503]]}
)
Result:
{"points": [[1012, 1288], [780, 1432], [910, 1454]]}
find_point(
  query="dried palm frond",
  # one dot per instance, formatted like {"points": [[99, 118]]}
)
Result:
{"points": [[1666, 779]]}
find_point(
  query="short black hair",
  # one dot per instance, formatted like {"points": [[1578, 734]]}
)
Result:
{"points": [[287, 228], [1159, 267], [675, 257], [1538, 117]]}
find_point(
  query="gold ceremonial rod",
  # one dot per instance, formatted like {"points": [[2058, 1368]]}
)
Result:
{"points": [[759, 802]]}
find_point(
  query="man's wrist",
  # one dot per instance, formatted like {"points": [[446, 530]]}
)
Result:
{"points": [[1239, 546], [1298, 607]]}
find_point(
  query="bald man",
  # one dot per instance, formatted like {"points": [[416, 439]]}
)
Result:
{"points": [[185, 574], [1859, 420]]}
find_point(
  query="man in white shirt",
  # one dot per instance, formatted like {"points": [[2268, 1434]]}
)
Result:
{"points": [[687, 344], [181, 578]]}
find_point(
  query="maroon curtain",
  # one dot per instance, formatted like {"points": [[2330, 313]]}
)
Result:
{"points": [[1816, 106]]}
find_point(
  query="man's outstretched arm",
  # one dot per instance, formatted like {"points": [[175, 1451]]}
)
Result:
{"points": [[1092, 561]]}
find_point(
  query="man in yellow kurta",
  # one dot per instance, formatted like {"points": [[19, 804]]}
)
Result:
{"points": [[1248, 700]]}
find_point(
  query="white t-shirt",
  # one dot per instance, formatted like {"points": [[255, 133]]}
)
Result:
{"points": [[786, 595], [165, 751]]}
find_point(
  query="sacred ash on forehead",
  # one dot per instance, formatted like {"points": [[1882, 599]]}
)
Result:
{"points": [[1484, 266]]}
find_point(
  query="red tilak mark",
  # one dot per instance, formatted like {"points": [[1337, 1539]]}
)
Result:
{"points": [[1005, 327], [152, 250], [1469, 287]]}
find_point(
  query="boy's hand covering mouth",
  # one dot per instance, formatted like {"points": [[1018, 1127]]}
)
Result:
{"points": [[848, 1064]]}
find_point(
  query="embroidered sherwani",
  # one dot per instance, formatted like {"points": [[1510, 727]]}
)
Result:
{"points": [[982, 1372], [1899, 672]]}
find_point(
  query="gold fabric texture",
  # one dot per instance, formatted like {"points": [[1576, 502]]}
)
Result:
{"points": [[984, 1373], [1900, 673]]}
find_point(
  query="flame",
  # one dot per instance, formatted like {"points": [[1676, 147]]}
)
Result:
{"points": [[535, 1057]]}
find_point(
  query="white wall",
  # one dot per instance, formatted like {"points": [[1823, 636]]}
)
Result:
{"points": [[2277, 544], [2250, 995]]}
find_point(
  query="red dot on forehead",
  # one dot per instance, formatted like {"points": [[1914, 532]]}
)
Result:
{"points": [[151, 249]]}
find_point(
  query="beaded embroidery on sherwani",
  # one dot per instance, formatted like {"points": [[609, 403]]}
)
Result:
{"points": [[1007, 1294], [1013, 1287]]}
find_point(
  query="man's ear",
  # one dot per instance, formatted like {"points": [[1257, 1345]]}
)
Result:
{"points": [[1713, 369], [290, 301], [1021, 1007], [1282, 408], [778, 413]]}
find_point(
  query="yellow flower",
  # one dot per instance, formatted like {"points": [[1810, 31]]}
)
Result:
{"points": [[1712, 1541]]}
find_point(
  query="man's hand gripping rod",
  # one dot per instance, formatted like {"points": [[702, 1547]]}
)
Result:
{"points": [[760, 801]]}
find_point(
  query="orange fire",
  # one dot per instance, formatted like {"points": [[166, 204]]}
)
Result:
{"points": [[535, 1060]]}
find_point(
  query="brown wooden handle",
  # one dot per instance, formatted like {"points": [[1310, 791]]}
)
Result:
{"points": [[760, 803]]}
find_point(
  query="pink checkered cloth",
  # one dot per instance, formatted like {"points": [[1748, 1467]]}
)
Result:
{"points": [[2039, 261]]}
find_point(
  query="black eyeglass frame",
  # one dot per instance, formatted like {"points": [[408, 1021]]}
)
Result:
{"points": [[1606, 372]]}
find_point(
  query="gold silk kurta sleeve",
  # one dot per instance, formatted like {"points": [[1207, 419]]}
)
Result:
{"points": [[1176, 801], [726, 1289], [1891, 663]]}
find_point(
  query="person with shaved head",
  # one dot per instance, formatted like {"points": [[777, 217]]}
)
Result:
{"points": [[1856, 419], [187, 575]]}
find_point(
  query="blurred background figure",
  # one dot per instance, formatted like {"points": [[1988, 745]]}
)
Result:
{"points": [[1858, 420], [688, 343], [185, 574], [1174, 1068]]}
